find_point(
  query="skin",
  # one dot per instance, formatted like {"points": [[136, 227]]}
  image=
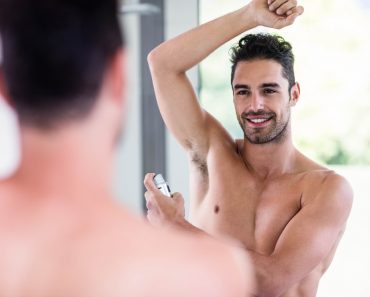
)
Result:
{"points": [[62, 233], [287, 212]]}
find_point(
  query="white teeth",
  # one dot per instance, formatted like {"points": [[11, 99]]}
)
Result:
{"points": [[256, 121]]}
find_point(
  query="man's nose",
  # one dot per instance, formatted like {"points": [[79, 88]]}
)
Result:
{"points": [[256, 102]]}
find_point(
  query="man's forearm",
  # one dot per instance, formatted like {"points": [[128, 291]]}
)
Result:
{"points": [[185, 225], [267, 282], [189, 49]]}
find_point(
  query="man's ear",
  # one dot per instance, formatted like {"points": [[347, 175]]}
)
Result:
{"points": [[115, 76], [295, 92], [3, 88]]}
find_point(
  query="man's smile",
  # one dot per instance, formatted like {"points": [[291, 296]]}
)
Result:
{"points": [[258, 121]]}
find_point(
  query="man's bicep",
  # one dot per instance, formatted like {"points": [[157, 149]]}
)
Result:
{"points": [[180, 108], [310, 236]]}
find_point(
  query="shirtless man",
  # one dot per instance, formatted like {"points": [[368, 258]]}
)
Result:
{"points": [[287, 211], [62, 233]]}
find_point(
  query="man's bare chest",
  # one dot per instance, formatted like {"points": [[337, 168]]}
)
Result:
{"points": [[250, 211]]}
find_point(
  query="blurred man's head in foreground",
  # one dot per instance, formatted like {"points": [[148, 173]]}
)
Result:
{"points": [[56, 55]]}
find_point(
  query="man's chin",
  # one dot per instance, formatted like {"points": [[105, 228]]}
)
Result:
{"points": [[258, 138], [257, 141]]}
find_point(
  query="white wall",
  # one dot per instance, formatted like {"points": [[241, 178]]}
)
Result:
{"points": [[9, 142]]}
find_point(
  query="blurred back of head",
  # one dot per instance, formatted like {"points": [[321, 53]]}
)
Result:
{"points": [[55, 53]]}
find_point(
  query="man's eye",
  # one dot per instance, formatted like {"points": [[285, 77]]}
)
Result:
{"points": [[269, 91], [242, 92]]}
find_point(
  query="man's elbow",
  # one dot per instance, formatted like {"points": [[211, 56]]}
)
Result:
{"points": [[163, 62], [153, 59], [157, 60], [270, 286], [268, 291]]}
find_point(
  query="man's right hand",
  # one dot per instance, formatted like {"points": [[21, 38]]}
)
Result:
{"points": [[274, 13], [163, 210]]}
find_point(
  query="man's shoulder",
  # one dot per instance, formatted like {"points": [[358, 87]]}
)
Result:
{"points": [[320, 181], [327, 187], [214, 268], [316, 173], [175, 263], [313, 171], [178, 263]]}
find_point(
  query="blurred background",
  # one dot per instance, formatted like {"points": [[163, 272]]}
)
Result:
{"points": [[331, 122]]}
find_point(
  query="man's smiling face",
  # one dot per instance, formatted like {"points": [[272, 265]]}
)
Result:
{"points": [[262, 100]]}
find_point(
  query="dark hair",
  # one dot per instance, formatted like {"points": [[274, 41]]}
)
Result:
{"points": [[55, 53], [264, 46]]}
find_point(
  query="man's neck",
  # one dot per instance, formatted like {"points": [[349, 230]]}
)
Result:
{"points": [[68, 162], [269, 160]]}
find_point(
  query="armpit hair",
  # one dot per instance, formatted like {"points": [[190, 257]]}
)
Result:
{"points": [[201, 164], [196, 158]]}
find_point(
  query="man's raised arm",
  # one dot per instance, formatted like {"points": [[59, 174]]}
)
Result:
{"points": [[169, 62]]}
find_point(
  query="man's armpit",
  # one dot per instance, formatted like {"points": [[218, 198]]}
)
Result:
{"points": [[200, 163]]}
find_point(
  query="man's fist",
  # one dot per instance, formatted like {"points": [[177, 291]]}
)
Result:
{"points": [[274, 13]]}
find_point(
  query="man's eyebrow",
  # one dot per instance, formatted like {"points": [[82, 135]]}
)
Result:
{"points": [[270, 85], [240, 86]]}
